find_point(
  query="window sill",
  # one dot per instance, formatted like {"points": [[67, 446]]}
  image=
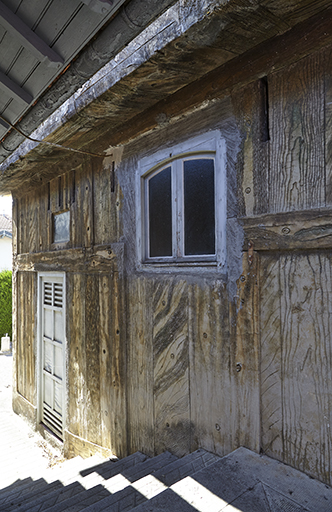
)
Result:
{"points": [[206, 267]]}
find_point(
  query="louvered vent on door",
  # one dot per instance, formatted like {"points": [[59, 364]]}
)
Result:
{"points": [[53, 421], [48, 295], [53, 294]]}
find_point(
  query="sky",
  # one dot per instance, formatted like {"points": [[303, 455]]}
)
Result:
{"points": [[6, 205]]}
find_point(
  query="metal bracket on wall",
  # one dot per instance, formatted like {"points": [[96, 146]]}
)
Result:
{"points": [[250, 252]]}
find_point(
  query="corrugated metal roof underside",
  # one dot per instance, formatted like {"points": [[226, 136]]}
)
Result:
{"points": [[27, 30]]}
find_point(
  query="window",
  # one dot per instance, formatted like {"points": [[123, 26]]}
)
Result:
{"points": [[61, 227], [182, 212]]}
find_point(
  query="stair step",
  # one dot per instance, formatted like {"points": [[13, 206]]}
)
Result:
{"points": [[48, 497], [121, 501], [71, 468], [30, 494], [110, 468], [149, 466], [14, 491], [186, 466], [66, 472], [76, 502], [157, 481], [14, 485], [129, 475]]}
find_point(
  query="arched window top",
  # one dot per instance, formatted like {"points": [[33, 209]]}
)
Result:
{"points": [[182, 208]]}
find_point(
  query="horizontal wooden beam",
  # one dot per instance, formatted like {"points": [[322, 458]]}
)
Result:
{"points": [[11, 22], [272, 55], [311, 229], [100, 258], [14, 90]]}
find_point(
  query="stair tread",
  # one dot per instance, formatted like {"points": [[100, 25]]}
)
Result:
{"points": [[14, 493], [150, 465], [48, 497], [121, 501], [77, 502], [186, 466], [110, 468]]}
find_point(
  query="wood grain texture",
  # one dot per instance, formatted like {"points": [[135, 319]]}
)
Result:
{"points": [[97, 259], [105, 354], [171, 366], [296, 360], [96, 362], [327, 59], [210, 368], [297, 170], [252, 160], [26, 335], [308, 229], [119, 375], [77, 385], [140, 367], [92, 370], [270, 360], [306, 362], [244, 322]]}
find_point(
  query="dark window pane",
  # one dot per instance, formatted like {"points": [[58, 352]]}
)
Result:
{"points": [[199, 221], [61, 227], [160, 214]]}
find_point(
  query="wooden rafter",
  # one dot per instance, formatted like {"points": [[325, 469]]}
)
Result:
{"points": [[27, 37], [13, 89]]}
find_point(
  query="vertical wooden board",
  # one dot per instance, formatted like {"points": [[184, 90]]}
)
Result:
{"points": [[253, 158], [297, 168], [92, 372], [306, 362], [86, 204], [33, 224], [210, 368], [22, 225], [103, 212], [140, 367], [26, 335], [171, 366], [327, 56], [118, 367], [271, 345], [245, 340], [105, 352], [76, 212], [54, 195], [77, 386], [20, 368]]}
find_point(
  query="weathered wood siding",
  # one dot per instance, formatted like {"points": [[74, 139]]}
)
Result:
{"points": [[159, 359]]}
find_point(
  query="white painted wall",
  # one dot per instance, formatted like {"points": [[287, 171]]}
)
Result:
{"points": [[5, 253]]}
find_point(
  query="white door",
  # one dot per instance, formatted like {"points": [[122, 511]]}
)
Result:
{"points": [[52, 314]]}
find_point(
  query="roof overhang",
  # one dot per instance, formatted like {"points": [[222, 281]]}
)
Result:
{"points": [[221, 43]]}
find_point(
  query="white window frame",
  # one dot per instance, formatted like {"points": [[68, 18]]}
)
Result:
{"points": [[209, 145]]}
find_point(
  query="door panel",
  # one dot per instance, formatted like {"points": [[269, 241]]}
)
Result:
{"points": [[53, 352]]}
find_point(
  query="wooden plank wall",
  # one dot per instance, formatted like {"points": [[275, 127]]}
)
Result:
{"points": [[153, 357], [294, 274]]}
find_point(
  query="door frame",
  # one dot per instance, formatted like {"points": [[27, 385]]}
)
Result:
{"points": [[50, 275]]}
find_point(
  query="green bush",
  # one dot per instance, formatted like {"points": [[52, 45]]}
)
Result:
{"points": [[5, 303]]}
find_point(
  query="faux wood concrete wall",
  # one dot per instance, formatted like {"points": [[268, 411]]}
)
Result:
{"points": [[153, 355]]}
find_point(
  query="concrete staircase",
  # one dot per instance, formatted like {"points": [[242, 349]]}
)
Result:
{"points": [[242, 481], [93, 485]]}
